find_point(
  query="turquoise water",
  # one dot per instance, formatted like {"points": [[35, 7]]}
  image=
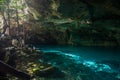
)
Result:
{"points": [[96, 62], [87, 53]]}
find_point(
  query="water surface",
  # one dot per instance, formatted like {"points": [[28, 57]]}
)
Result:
{"points": [[96, 61]]}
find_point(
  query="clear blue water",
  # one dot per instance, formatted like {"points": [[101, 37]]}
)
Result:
{"points": [[87, 53], [101, 60]]}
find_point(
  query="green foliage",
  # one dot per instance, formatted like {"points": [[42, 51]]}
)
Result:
{"points": [[2, 1]]}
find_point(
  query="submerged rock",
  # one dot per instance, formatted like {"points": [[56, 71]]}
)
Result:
{"points": [[118, 76], [50, 72]]}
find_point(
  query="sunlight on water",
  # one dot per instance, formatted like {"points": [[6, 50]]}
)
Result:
{"points": [[91, 64], [74, 57], [97, 67], [102, 61]]}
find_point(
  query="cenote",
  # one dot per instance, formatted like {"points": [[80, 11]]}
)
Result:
{"points": [[59, 40]]}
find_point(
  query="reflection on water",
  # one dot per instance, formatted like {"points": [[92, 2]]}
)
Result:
{"points": [[88, 53], [103, 61]]}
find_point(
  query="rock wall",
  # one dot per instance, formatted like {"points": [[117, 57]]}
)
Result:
{"points": [[77, 22]]}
